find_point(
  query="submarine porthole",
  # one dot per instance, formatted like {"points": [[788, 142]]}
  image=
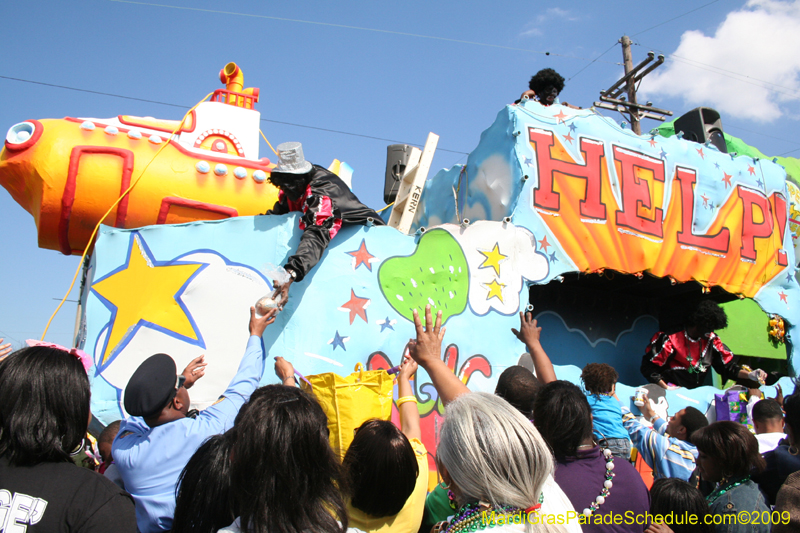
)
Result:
{"points": [[19, 133]]}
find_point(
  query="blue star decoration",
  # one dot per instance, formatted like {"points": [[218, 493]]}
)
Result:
{"points": [[553, 257], [386, 324], [789, 277], [572, 128], [760, 183], [338, 340], [529, 161], [663, 154], [716, 165]]}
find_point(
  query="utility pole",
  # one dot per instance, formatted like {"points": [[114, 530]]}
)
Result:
{"points": [[612, 97], [630, 86]]}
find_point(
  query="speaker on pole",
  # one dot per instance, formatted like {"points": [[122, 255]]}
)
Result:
{"points": [[397, 156], [701, 125]]}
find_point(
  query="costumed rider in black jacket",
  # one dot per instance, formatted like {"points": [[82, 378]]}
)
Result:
{"points": [[326, 201]]}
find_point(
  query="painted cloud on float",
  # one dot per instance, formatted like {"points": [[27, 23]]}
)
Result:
{"points": [[500, 258]]}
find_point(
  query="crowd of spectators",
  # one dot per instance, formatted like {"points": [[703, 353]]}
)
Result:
{"points": [[540, 454]]}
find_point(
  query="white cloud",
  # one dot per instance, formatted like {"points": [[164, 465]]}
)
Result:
{"points": [[747, 69], [533, 28]]}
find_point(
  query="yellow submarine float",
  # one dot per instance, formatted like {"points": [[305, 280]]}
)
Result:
{"points": [[68, 172]]}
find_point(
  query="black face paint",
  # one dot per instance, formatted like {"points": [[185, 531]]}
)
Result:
{"points": [[293, 185]]}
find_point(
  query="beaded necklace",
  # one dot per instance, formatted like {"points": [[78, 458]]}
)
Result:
{"points": [[722, 489], [607, 484], [473, 516]]}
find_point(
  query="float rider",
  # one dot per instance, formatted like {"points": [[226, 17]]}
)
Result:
{"points": [[683, 357], [327, 203]]}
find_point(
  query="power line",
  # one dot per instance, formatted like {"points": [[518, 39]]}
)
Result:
{"points": [[187, 107], [648, 29], [735, 127], [713, 68], [675, 18], [93, 92], [6, 336], [734, 75], [593, 60], [344, 26]]}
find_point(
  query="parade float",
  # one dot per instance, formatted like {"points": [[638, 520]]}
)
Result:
{"points": [[550, 195]]}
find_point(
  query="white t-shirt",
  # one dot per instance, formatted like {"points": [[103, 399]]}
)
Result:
{"points": [[555, 503], [769, 441]]}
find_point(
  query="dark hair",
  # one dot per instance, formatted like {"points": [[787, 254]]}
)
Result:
{"points": [[381, 469], [732, 446], [708, 317], [562, 415], [545, 77], [767, 409], [109, 432], [285, 477], [693, 420], [518, 386], [44, 405], [791, 408], [672, 494], [204, 503], [599, 378]]}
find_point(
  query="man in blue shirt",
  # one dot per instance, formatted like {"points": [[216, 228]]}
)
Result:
{"points": [[157, 441], [665, 447]]}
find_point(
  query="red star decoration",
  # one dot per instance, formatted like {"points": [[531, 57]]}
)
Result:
{"points": [[751, 170], [726, 179], [362, 256], [783, 296], [700, 151], [561, 116], [544, 244], [705, 200], [357, 307], [568, 137], [652, 142]]}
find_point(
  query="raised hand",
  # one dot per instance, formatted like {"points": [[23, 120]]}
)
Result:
{"points": [[427, 348], [259, 323], [195, 370]]}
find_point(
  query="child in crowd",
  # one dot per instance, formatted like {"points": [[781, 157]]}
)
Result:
{"points": [[600, 382], [107, 467]]}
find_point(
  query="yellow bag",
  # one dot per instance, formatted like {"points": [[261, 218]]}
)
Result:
{"points": [[351, 401]]}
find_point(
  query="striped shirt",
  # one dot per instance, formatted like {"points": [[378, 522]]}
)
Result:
{"points": [[667, 456]]}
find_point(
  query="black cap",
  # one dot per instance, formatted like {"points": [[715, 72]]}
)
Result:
{"points": [[152, 386]]}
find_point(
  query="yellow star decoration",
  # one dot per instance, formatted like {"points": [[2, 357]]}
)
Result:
{"points": [[495, 290], [144, 293], [493, 259]]}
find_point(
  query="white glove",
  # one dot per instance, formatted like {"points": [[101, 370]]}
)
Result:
{"points": [[758, 375]]}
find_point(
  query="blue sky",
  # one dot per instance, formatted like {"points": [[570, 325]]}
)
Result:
{"points": [[348, 78]]}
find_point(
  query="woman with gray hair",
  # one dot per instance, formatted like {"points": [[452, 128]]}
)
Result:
{"points": [[498, 466]]}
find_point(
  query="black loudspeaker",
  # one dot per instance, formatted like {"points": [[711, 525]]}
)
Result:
{"points": [[397, 156], [701, 125]]}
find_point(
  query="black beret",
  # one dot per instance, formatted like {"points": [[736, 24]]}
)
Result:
{"points": [[152, 386]]}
